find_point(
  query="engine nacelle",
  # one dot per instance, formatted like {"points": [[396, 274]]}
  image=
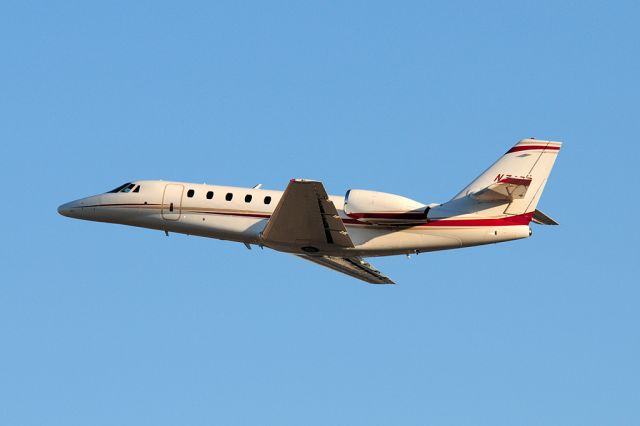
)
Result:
{"points": [[383, 208]]}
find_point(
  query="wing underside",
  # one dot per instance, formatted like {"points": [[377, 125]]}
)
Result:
{"points": [[353, 266]]}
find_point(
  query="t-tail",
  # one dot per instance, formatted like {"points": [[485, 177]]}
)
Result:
{"points": [[510, 188]]}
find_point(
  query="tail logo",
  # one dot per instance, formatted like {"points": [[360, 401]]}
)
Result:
{"points": [[505, 177]]}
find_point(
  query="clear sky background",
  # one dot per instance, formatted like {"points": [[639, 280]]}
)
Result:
{"points": [[110, 325]]}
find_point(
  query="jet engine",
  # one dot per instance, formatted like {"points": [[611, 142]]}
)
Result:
{"points": [[383, 208]]}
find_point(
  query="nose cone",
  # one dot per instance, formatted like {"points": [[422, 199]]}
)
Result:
{"points": [[71, 209]]}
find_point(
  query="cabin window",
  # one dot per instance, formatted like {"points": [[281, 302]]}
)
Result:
{"points": [[247, 198], [137, 189], [190, 193], [267, 200], [209, 195], [229, 196]]}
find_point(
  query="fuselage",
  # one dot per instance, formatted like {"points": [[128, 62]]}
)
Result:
{"points": [[241, 214]]}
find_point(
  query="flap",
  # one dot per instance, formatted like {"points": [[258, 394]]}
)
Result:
{"points": [[353, 266]]}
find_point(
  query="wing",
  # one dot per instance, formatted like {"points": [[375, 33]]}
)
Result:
{"points": [[306, 219], [354, 266]]}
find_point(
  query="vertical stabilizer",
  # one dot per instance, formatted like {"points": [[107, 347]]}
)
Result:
{"points": [[511, 186]]}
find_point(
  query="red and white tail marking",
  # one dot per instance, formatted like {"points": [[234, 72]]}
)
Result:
{"points": [[512, 185], [535, 145]]}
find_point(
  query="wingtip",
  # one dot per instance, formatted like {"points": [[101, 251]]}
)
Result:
{"points": [[303, 181]]}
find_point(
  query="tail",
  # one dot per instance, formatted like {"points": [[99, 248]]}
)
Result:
{"points": [[511, 186]]}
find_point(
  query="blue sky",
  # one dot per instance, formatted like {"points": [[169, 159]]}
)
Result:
{"points": [[103, 324]]}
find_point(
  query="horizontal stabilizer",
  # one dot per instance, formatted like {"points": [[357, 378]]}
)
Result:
{"points": [[542, 219], [505, 188]]}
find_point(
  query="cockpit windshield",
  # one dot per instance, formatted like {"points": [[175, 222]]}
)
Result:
{"points": [[127, 187]]}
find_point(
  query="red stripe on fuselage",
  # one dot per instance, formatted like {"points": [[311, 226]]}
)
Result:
{"points": [[521, 219], [403, 216]]}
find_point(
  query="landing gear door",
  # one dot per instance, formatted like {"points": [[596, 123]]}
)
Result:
{"points": [[172, 201]]}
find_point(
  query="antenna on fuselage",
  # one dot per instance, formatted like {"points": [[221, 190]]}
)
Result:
{"points": [[258, 186]]}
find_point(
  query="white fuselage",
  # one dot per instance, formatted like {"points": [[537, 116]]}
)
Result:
{"points": [[185, 208]]}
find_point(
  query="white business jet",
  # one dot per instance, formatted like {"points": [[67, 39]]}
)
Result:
{"points": [[336, 231]]}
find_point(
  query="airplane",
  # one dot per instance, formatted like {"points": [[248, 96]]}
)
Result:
{"points": [[336, 231]]}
